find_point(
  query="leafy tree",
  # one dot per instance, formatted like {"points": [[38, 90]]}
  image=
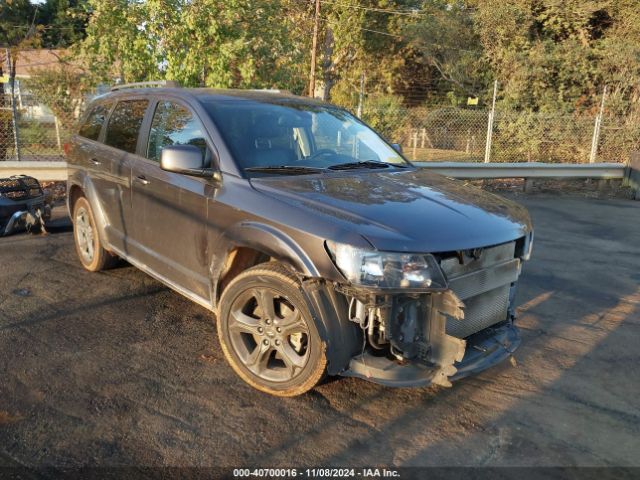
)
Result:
{"points": [[447, 46], [64, 22], [63, 89], [238, 43]]}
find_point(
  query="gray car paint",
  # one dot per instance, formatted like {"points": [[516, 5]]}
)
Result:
{"points": [[399, 210], [180, 229]]}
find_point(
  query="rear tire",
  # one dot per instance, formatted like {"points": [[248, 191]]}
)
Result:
{"points": [[267, 332], [91, 253]]}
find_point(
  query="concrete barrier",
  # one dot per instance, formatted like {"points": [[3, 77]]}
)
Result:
{"points": [[632, 175]]}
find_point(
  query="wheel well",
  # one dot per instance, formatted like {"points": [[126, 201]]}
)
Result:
{"points": [[75, 192], [238, 260]]}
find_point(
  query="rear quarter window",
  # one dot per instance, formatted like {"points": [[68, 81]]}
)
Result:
{"points": [[124, 124], [92, 125]]}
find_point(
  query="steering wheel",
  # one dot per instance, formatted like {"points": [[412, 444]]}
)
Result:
{"points": [[321, 152]]}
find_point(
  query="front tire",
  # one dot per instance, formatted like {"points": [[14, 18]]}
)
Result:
{"points": [[267, 332], [91, 253]]}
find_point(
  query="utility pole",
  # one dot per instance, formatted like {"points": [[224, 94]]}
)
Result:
{"points": [[314, 47]]}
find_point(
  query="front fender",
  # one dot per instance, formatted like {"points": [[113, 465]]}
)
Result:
{"points": [[328, 309], [261, 237]]}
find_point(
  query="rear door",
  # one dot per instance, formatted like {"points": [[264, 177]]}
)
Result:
{"points": [[87, 149], [170, 209], [116, 158]]}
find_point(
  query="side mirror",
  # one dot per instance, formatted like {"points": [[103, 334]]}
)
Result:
{"points": [[397, 147], [187, 160]]}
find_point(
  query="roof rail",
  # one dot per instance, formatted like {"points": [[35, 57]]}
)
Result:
{"points": [[269, 90], [157, 84]]}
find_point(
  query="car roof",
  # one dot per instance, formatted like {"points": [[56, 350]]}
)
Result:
{"points": [[215, 94]]}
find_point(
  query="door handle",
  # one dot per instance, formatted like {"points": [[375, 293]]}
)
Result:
{"points": [[95, 161], [142, 179]]}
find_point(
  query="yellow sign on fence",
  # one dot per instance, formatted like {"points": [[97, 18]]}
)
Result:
{"points": [[4, 78]]}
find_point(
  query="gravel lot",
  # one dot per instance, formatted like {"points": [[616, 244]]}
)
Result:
{"points": [[115, 369]]}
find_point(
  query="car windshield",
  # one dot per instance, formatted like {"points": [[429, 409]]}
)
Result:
{"points": [[301, 137]]}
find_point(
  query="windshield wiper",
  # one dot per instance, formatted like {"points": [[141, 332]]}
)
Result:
{"points": [[285, 169], [365, 164]]}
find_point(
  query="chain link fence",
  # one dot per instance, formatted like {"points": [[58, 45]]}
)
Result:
{"points": [[425, 133], [460, 135], [32, 131]]}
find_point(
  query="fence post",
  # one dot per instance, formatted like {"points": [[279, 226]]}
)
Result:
{"points": [[487, 149], [57, 124], [596, 128], [14, 113], [415, 143], [361, 95]]}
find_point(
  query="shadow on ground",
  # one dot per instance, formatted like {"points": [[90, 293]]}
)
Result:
{"points": [[115, 369]]}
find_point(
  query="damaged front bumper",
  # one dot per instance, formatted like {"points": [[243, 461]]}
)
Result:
{"points": [[435, 337], [483, 350]]}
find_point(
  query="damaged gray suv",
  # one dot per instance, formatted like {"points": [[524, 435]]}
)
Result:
{"points": [[318, 246]]}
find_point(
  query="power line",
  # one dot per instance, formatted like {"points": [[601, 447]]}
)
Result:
{"points": [[380, 10], [381, 33], [335, 22], [40, 26], [402, 37]]}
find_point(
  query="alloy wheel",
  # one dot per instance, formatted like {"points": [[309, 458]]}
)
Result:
{"points": [[269, 334], [85, 235]]}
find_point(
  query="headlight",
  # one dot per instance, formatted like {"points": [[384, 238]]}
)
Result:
{"points": [[387, 269]]}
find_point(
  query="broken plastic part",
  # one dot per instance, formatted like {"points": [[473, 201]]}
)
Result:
{"points": [[445, 350], [24, 219]]}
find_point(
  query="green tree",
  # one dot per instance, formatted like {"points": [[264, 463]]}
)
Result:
{"points": [[238, 43], [64, 22], [447, 46]]}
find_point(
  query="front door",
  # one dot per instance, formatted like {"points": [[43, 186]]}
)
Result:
{"points": [[170, 209], [115, 157]]}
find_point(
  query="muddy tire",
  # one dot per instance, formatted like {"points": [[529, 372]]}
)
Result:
{"points": [[268, 334], [91, 253]]}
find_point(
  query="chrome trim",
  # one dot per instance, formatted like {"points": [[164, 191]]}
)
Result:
{"points": [[11, 224]]}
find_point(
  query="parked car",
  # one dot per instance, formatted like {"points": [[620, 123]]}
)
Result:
{"points": [[24, 205], [318, 246]]}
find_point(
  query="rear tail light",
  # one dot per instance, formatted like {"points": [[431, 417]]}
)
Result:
{"points": [[67, 148]]}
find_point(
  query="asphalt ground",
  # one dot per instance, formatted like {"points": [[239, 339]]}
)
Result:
{"points": [[114, 369]]}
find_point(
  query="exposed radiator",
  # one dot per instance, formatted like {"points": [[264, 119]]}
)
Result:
{"points": [[483, 284]]}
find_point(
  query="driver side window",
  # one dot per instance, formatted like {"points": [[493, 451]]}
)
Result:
{"points": [[174, 124]]}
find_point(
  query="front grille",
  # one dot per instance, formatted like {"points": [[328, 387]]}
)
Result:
{"points": [[483, 284], [19, 188]]}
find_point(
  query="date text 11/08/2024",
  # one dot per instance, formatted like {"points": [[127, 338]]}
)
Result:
{"points": [[315, 473]]}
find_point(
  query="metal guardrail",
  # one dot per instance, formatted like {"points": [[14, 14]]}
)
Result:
{"points": [[43, 171], [630, 174], [604, 171]]}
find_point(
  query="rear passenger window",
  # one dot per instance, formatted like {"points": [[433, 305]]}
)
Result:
{"points": [[173, 124], [93, 124], [124, 124]]}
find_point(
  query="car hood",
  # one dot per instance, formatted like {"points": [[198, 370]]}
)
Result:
{"points": [[404, 210]]}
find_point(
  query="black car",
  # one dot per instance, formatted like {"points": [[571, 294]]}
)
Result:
{"points": [[318, 246], [23, 205]]}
